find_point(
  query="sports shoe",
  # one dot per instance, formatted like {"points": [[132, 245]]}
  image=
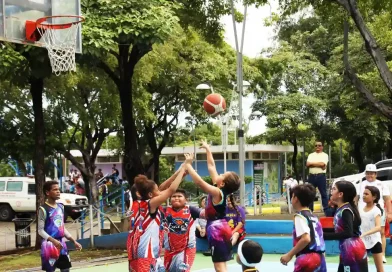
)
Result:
{"points": [[384, 260]]}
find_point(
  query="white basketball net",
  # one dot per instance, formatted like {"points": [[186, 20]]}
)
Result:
{"points": [[61, 46]]}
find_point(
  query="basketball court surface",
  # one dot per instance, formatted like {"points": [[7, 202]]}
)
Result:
{"points": [[204, 264]]}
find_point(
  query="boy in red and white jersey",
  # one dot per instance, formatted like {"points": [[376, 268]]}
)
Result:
{"points": [[180, 237]]}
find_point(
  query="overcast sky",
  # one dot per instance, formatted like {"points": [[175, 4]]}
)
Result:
{"points": [[257, 37]]}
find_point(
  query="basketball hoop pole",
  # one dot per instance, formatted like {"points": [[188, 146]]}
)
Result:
{"points": [[241, 144]]}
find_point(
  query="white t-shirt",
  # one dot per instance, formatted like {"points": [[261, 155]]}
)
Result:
{"points": [[368, 223], [382, 187], [301, 225], [290, 182], [318, 157]]}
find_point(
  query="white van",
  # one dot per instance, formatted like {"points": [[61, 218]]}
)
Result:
{"points": [[17, 196]]}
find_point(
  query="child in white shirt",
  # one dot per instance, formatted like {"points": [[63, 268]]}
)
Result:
{"points": [[371, 225]]}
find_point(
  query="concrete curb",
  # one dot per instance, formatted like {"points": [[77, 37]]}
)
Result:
{"points": [[278, 210]]}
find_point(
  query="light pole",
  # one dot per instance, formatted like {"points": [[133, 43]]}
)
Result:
{"points": [[193, 123], [239, 49]]}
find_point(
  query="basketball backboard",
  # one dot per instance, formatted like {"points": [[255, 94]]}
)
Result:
{"points": [[15, 13]]}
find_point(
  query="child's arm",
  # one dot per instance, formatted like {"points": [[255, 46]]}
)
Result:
{"points": [[155, 202], [348, 231], [209, 189], [376, 229], [302, 229], [70, 238], [240, 225], [166, 183], [210, 162]]}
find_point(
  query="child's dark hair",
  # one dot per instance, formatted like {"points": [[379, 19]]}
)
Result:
{"points": [[201, 200], [134, 192], [306, 193], [376, 193], [183, 192], [233, 203], [349, 194], [232, 182], [144, 186], [48, 186], [252, 252]]}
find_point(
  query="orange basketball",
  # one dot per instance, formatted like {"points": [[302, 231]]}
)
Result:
{"points": [[214, 104]]}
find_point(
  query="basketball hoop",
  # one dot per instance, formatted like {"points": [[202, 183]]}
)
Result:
{"points": [[59, 39]]}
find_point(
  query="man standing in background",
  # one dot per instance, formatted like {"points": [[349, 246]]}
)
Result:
{"points": [[317, 164]]}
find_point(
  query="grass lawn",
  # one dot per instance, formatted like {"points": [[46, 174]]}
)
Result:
{"points": [[33, 259]]}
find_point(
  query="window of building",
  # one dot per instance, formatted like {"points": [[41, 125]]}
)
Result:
{"points": [[256, 155], [247, 155], [218, 156], [180, 157], [31, 189], [274, 156], [235, 156], [14, 186], [265, 156]]}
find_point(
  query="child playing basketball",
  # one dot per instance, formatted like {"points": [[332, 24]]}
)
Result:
{"points": [[180, 238], [347, 221], [218, 231], [309, 245], [249, 255], [146, 234], [54, 253], [235, 216]]}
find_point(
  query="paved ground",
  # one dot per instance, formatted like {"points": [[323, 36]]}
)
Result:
{"points": [[7, 234], [204, 264]]}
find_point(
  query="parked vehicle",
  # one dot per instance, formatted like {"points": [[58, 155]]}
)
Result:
{"points": [[356, 177], [17, 196], [383, 174]]}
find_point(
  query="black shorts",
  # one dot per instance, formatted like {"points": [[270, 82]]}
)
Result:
{"points": [[376, 249]]}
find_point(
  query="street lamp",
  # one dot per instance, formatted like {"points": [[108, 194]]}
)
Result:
{"points": [[205, 86]]}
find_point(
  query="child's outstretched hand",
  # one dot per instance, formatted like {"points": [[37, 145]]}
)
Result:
{"points": [[189, 158], [204, 145]]}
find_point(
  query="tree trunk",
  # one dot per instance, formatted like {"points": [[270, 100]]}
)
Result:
{"points": [[357, 154], [370, 42], [93, 184], [294, 159], [374, 102], [153, 169], [132, 162], [36, 90], [389, 150], [21, 166]]}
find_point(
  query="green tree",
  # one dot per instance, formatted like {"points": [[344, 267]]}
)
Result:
{"points": [[118, 35], [83, 111]]}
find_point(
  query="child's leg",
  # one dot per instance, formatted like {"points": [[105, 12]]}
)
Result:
{"points": [[220, 267], [181, 261], [378, 262], [378, 256]]}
